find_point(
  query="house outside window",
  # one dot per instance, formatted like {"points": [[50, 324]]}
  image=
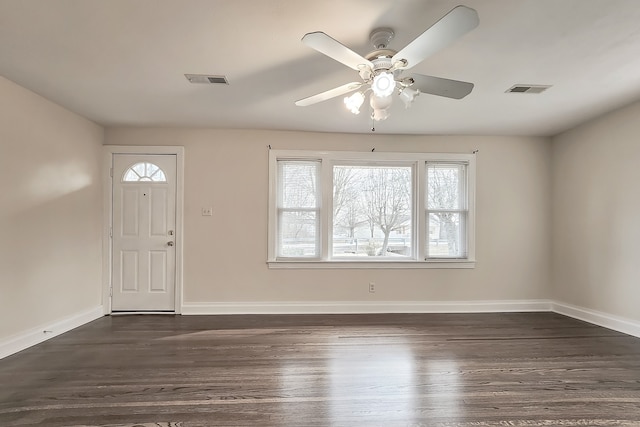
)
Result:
{"points": [[371, 210]]}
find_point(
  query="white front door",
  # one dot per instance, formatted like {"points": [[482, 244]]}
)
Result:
{"points": [[144, 227]]}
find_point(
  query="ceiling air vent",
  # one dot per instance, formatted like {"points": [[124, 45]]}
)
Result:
{"points": [[528, 88], [207, 79]]}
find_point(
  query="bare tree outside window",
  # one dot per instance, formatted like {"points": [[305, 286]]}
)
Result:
{"points": [[387, 199], [446, 210], [371, 203], [347, 215]]}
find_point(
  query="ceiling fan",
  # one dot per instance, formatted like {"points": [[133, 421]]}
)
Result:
{"points": [[383, 70]]}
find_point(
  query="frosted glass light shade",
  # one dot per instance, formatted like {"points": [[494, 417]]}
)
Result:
{"points": [[408, 95], [383, 84], [354, 102], [380, 103], [380, 106]]}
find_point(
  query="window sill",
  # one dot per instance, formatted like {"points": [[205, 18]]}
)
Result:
{"points": [[306, 264]]}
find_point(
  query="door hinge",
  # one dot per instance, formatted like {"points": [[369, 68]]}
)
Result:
{"points": [[110, 231], [111, 172], [110, 291]]}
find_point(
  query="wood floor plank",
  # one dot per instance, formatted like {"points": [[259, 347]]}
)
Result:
{"points": [[458, 370]]}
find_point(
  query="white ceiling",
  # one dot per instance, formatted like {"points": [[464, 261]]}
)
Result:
{"points": [[122, 62]]}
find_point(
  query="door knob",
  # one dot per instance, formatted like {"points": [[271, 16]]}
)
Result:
{"points": [[169, 243]]}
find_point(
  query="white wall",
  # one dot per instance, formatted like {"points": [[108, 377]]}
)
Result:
{"points": [[596, 214], [228, 169], [50, 212]]}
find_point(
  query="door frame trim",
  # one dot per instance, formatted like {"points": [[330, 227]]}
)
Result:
{"points": [[107, 255]]}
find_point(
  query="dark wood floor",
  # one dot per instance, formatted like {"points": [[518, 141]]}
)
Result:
{"points": [[462, 370]]}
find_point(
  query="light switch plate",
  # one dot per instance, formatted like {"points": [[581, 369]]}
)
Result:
{"points": [[207, 211]]}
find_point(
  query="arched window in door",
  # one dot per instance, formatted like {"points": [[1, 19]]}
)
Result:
{"points": [[144, 171]]}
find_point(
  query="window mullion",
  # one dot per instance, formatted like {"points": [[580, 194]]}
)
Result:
{"points": [[273, 214], [470, 176], [326, 208], [298, 209], [420, 231], [463, 211]]}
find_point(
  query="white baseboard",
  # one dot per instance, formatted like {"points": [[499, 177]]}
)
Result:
{"points": [[26, 339], [356, 307], [616, 323], [605, 320]]}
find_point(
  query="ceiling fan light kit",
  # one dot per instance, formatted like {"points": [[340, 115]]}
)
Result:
{"points": [[354, 102], [382, 69]]}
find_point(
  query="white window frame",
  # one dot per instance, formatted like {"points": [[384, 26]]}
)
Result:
{"points": [[318, 210], [462, 210], [328, 159], [140, 178]]}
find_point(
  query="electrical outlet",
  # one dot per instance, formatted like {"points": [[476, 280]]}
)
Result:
{"points": [[372, 287], [207, 211]]}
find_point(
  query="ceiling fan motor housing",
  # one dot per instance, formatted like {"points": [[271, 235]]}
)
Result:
{"points": [[381, 63]]}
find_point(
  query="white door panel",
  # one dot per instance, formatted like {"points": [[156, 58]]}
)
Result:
{"points": [[144, 224]]}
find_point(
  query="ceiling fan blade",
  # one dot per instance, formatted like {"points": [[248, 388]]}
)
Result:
{"points": [[331, 93], [454, 24], [334, 49], [442, 87]]}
